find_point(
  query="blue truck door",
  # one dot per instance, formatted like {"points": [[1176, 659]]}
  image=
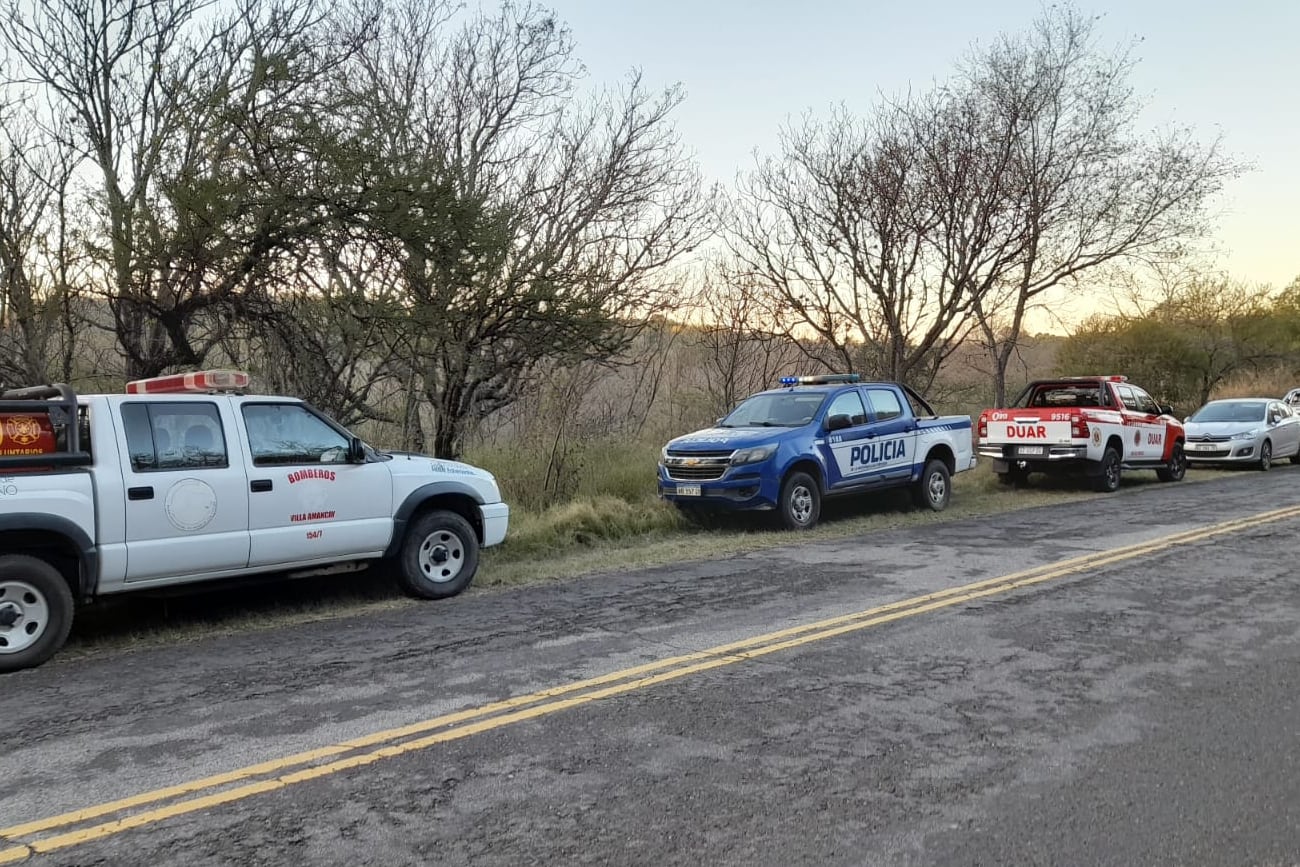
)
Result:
{"points": [[888, 452], [841, 447]]}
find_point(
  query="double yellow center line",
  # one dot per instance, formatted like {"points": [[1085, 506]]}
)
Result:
{"points": [[79, 826]]}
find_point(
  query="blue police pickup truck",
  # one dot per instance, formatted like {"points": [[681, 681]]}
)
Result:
{"points": [[817, 437]]}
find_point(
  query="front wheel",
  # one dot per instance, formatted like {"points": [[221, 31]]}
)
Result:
{"points": [[439, 556], [1176, 468], [934, 488], [1107, 479], [1265, 456], [801, 502], [36, 611]]}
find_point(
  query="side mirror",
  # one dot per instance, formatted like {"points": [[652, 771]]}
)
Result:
{"points": [[838, 422], [356, 451], [1166, 409]]}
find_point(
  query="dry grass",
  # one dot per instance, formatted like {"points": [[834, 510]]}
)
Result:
{"points": [[1266, 383]]}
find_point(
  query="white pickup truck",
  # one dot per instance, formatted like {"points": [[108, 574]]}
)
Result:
{"points": [[187, 478]]}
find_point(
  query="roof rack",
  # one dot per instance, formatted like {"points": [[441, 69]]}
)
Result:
{"points": [[34, 420]]}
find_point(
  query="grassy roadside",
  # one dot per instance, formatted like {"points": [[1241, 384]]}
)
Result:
{"points": [[601, 534]]}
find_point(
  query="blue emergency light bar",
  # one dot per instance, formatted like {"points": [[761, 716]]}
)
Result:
{"points": [[821, 379]]}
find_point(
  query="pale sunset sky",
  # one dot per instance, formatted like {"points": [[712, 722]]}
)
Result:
{"points": [[748, 65]]}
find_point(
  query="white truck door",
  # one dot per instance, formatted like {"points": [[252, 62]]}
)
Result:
{"points": [[307, 504], [186, 501]]}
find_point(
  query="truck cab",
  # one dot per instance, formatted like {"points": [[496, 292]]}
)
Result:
{"points": [[788, 448], [189, 479]]}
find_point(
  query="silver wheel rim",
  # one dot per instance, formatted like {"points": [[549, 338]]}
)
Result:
{"points": [[938, 488], [801, 504], [442, 556], [24, 616]]}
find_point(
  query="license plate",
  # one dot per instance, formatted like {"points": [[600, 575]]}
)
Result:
{"points": [[688, 490], [1204, 447], [1029, 450]]}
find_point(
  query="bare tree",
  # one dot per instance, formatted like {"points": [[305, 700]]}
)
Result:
{"points": [[38, 324], [193, 127], [740, 355], [527, 223], [1073, 183], [836, 233]]}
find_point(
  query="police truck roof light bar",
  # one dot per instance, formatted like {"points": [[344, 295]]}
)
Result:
{"points": [[821, 379], [201, 382]]}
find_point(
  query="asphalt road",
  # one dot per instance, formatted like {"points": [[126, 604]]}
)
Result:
{"points": [[854, 702]]}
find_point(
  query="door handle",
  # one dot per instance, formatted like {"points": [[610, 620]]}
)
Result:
{"points": [[258, 486], [144, 493]]}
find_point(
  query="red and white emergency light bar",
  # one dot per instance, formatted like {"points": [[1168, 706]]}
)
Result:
{"points": [[200, 382]]}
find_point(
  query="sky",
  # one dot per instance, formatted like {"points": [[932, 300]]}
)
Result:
{"points": [[747, 66]]}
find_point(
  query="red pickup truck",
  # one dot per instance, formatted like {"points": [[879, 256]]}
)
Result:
{"points": [[1097, 425]]}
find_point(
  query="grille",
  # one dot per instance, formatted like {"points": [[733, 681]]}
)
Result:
{"points": [[1208, 438], [1217, 453], [705, 466], [709, 473]]}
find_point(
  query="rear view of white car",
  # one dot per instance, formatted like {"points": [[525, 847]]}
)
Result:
{"points": [[1250, 431]]}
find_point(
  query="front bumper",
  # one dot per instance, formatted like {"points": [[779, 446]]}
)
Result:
{"points": [[1232, 452], [496, 516], [740, 488]]}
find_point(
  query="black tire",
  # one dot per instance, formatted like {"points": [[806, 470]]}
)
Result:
{"points": [[801, 502], [1265, 456], [36, 610], [439, 556], [1106, 481], [934, 489], [1177, 466], [1295, 458]]}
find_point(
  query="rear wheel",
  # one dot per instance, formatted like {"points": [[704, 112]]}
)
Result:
{"points": [[36, 611], [1177, 466], [1265, 456], [439, 555], [934, 489], [1108, 472], [801, 502]]}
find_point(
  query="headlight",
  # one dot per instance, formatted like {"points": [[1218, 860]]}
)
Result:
{"points": [[752, 456], [1248, 435]]}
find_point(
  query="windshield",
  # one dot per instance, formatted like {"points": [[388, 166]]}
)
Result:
{"points": [[786, 409], [1236, 410]]}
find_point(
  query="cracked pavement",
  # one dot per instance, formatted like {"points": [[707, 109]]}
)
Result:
{"points": [[1142, 712]]}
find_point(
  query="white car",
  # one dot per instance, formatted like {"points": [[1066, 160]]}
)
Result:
{"points": [[1254, 431]]}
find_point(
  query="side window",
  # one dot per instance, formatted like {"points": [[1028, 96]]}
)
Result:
{"points": [[1145, 402], [884, 403], [1127, 397], [848, 403], [289, 433], [174, 436]]}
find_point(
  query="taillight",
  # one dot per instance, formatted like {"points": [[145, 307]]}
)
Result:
{"points": [[1078, 428], [983, 428]]}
